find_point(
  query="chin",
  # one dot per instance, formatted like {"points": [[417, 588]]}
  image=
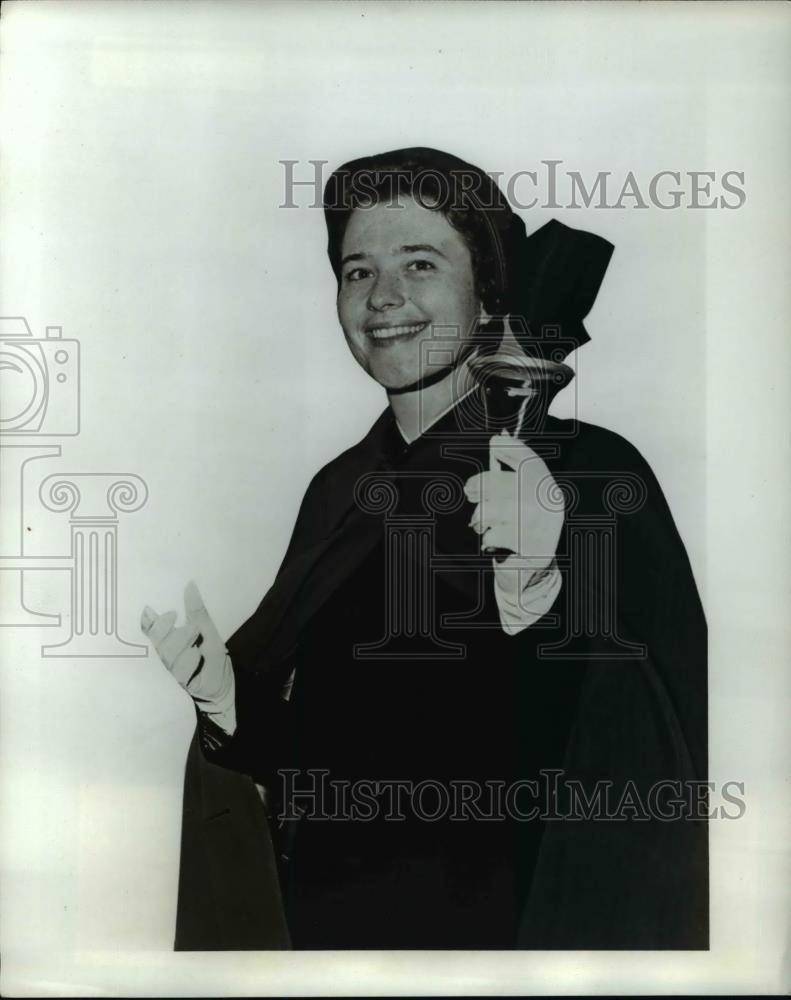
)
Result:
{"points": [[394, 380], [393, 376]]}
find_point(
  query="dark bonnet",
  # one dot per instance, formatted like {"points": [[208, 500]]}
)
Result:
{"points": [[546, 282]]}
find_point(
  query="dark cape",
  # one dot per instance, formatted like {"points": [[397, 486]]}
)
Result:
{"points": [[634, 641]]}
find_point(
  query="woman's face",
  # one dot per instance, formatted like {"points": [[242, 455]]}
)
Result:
{"points": [[406, 275]]}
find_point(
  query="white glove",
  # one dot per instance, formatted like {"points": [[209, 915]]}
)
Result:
{"points": [[521, 604], [196, 656], [520, 511]]}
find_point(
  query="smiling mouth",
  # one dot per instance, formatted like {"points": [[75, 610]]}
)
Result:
{"points": [[383, 334]]}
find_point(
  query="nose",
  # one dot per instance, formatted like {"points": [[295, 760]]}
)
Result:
{"points": [[386, 293]]}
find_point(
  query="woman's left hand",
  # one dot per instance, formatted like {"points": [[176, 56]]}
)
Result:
{"points": [[520, 508]]}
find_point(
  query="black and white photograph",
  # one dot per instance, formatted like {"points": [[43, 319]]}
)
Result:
{"points": [[395, 527]]}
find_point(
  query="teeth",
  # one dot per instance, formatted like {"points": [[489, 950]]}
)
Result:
{"points": [[386, 332]]}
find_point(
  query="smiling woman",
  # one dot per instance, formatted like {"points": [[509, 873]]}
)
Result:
{"points": [[396, 291], [398, 674]]}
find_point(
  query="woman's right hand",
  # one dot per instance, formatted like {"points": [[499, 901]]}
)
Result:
{"points": [[196, 656]]}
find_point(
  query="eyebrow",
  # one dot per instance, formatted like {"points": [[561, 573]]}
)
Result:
{"points": [[407, 248], [422, 248]]}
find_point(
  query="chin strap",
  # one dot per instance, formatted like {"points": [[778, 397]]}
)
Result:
{"points": [[470, 348], [424, 382]]}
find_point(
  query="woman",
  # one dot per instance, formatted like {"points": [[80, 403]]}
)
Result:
{"points": [[437, 625]]}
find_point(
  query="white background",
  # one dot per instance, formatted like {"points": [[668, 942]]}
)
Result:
{"points": [[140, 211]]}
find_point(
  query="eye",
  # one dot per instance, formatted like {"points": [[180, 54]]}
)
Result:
{"points": [[357, 274], [421, 265]]}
